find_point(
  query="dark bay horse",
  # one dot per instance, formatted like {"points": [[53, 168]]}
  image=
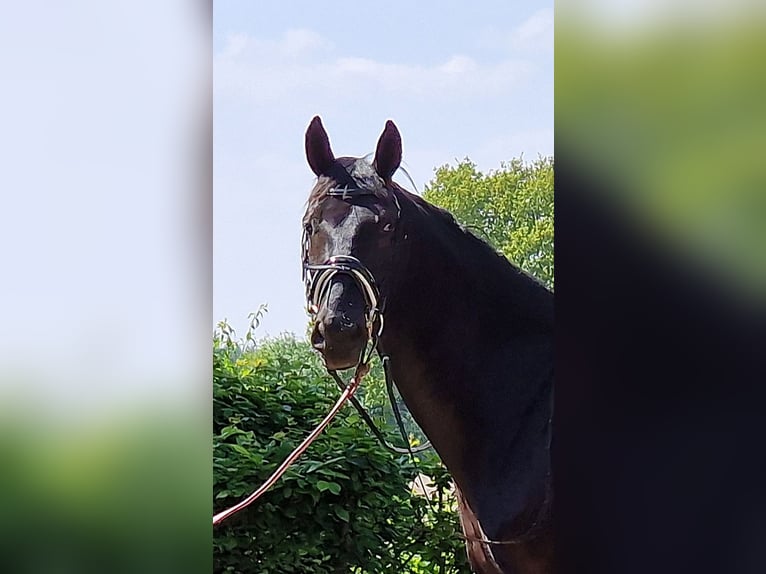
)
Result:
{"points": [[469, 339]]}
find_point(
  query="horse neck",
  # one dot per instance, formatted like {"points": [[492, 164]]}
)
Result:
{"points": [[457, 309], [448, 279]]}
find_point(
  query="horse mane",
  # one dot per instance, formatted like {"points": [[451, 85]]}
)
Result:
{"points": [[480, 259], [318, 193]]}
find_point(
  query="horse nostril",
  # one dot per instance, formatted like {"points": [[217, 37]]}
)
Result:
{"points": [[317, 336]]}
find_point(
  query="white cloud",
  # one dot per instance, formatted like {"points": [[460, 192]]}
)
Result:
{"points": [[300, 43], [535, 33], [294, 45], [458, 65], [304, 62], [235, 44]]}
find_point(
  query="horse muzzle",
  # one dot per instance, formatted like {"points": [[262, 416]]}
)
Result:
{"points": [[340, 339]]}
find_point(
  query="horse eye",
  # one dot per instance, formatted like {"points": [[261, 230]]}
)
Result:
{"points": [[388, 227]]}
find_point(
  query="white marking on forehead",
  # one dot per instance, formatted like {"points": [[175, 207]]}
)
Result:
{"points": [[347, 228]]}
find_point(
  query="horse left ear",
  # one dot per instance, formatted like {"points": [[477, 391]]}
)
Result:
{"points": [[318, 151], [388, 154]]}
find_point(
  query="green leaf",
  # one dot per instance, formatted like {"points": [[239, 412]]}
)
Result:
{"points": [[229, 430], [333, 487], [240, 449], [322, 485], [341, 513]]}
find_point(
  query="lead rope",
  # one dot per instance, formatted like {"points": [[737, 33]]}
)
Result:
{"points": [[348, 392]]}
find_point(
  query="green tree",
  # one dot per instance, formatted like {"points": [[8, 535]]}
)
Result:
{"points": [[511, 208]]}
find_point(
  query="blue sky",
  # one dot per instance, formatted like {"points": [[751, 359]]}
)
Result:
{"points": [[459, 82]]}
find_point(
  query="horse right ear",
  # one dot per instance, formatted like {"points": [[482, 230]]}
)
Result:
{"points": [[318, 152], [388, 154]]}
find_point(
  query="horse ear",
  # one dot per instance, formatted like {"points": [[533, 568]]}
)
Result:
{"points": [[388, 154], [318, 152]]}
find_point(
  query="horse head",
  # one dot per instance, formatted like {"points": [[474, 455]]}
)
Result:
{"points": [[350, 231]]}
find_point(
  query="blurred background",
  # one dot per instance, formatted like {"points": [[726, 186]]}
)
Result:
{"points": [[660, 193], [668, 99], [105, 242]]}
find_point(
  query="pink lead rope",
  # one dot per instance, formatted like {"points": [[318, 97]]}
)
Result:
{"points": [[349, 391]]}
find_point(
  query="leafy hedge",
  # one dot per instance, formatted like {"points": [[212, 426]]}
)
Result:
{"points": [[345, 505]]}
